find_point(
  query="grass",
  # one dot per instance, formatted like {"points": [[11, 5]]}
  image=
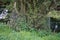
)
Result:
{"points": [[7, 34]]}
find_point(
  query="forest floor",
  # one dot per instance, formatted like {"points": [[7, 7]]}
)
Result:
{"points": [[8, 34]]}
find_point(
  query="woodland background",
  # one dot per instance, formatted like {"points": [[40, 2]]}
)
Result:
{"points": [[29, 20]]}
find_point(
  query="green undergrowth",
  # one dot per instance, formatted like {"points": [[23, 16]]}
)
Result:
{"points": [[8, 34]]}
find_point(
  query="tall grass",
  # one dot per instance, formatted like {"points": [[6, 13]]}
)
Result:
{"points": [[8, 34]]}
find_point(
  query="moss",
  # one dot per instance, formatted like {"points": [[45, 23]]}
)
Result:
{"points": [[54, 14]]}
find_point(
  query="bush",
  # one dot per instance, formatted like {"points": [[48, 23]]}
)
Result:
{"points": [[7, 1]]}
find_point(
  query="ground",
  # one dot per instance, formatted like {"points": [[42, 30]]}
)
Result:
{"points": [[8, 34]]}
